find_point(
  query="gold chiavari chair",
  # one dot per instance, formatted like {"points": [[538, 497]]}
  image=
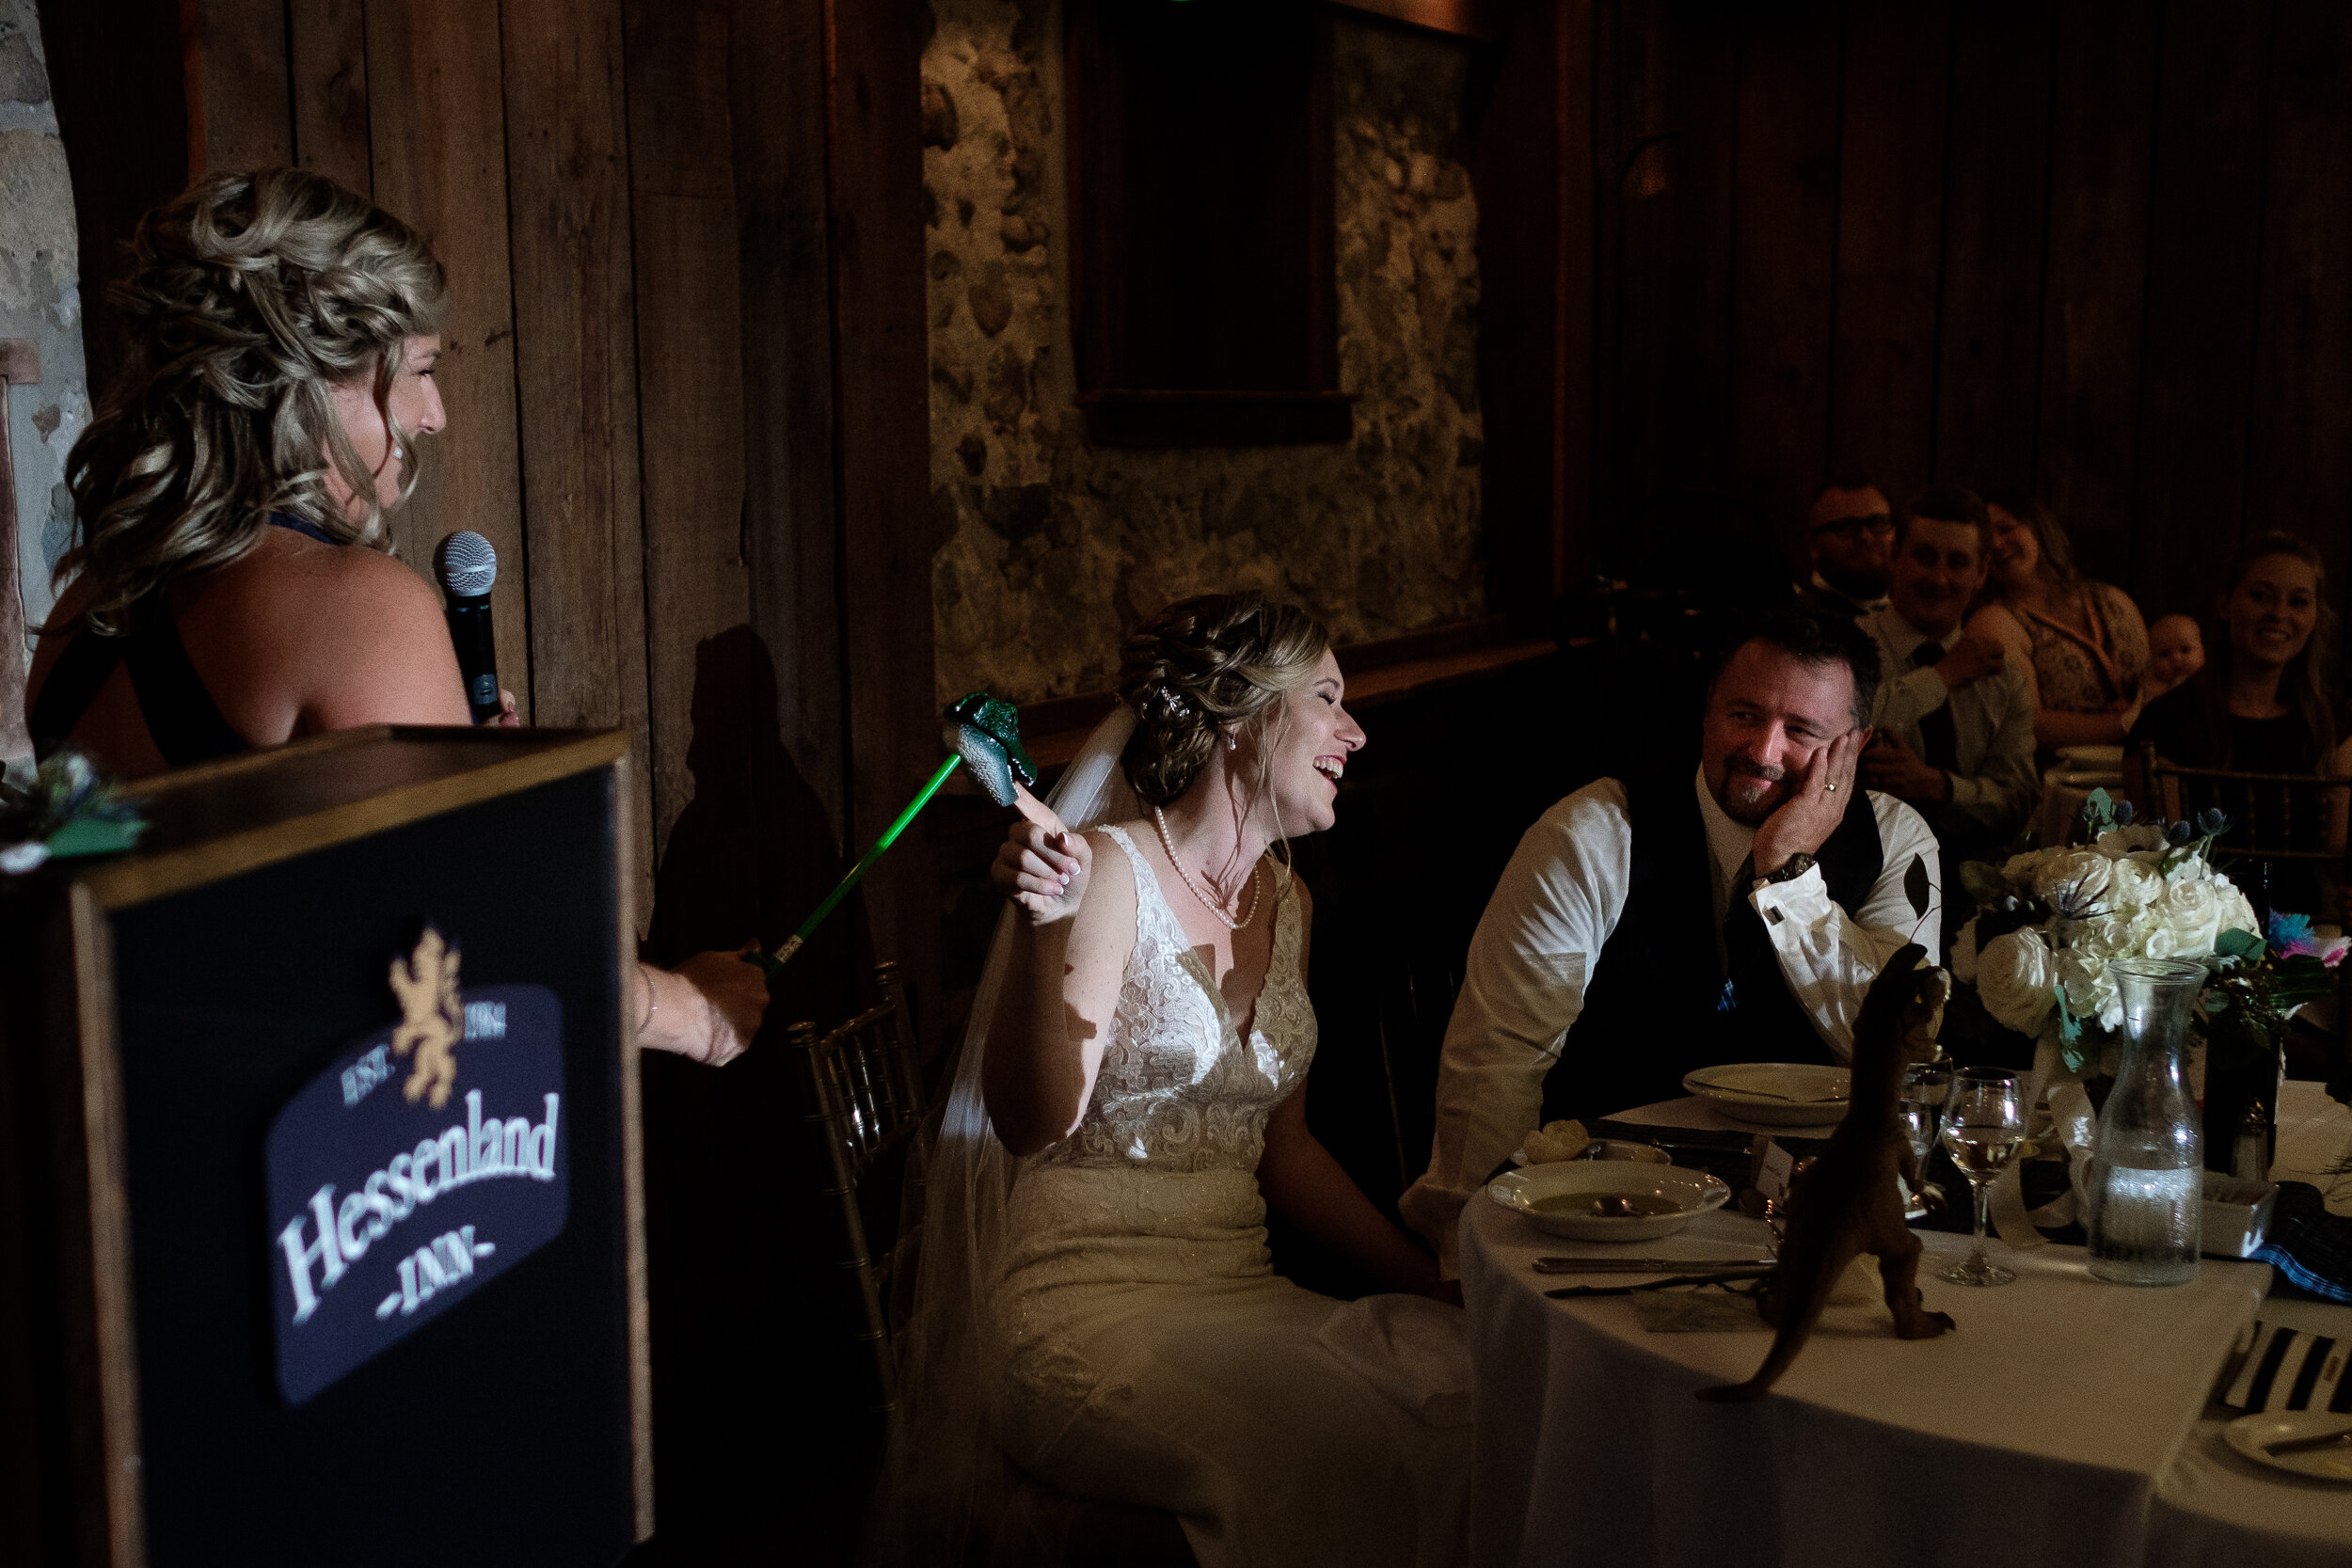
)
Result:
{"points": [[866, 1106], [2276, 820]]}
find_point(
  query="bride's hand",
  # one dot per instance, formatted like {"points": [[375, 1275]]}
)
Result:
{"points": [[1043, 870]]}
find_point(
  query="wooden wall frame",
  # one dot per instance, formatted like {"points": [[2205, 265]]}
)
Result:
{"points": [[20, 366], [1185, 334]]}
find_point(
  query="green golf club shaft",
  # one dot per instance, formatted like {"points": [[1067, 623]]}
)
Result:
{"points": [[890, 836]]}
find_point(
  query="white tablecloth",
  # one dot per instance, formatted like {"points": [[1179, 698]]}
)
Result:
{"points": [[2061, 803], [2065, 1421], [2213, 1509]]}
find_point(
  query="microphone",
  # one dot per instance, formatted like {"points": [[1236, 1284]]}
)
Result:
{"points": [[467, 567]]}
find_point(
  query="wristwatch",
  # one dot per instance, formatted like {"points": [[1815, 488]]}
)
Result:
{"points": [[1796, 867]]}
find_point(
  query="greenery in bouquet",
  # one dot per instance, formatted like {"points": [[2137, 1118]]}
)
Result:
{"points": [[69, 808], [2049, 924]]}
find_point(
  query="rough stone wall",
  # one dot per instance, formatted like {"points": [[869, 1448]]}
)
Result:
{"points": [[1049, 550], [40, 298]]}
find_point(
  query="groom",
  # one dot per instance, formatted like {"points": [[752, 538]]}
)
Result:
{"points": [[1654, 926]]}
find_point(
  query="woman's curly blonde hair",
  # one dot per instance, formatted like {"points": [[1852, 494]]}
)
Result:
{"points": [[250, 297], [1203, 664]]}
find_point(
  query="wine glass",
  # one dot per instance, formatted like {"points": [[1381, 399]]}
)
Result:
{"points": [[1984, 1129], [1920, 1107]]}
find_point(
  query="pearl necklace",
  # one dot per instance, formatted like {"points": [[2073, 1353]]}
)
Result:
{"points": [[1159, 819]]}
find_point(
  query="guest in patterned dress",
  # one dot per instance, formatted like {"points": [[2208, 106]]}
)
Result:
{"points": [[2082, 644]]}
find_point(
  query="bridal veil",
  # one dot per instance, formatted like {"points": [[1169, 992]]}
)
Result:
{"points": [[944, 1471]]}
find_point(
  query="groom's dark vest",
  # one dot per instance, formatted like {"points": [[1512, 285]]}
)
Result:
{"points": [[1659, 1002]]}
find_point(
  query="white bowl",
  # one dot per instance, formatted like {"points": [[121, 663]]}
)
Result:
{"points": [[1778, 1094], [1693, 1192]]}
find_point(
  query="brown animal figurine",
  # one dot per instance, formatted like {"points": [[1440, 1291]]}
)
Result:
{"points": [[1844, 1204]]}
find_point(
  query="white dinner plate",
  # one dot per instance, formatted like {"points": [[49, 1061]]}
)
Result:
{"points": [[2249, 1434], [1693, 1192], [1610, 1148], [1778, 1094]]}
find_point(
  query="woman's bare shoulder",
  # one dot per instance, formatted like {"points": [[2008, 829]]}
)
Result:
{"points": [[2002, 624], [1113, 871], [290, 577], [2116, 602], [357, 634]]}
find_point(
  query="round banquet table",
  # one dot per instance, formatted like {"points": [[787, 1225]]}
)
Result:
{"points": [[2064, 1420]]}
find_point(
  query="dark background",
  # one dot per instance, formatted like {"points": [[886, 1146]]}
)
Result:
{"points": [[2093, 248]]}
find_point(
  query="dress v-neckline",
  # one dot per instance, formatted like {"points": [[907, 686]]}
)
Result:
{"points": [[2094, 643], [1185, 955]]}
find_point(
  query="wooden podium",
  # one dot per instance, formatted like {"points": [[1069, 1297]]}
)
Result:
{"points": [[298, 1263]]}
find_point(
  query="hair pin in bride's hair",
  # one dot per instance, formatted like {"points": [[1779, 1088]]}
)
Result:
{"points": [[1164, 701]]}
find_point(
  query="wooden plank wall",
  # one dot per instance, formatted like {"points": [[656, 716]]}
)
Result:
{"points": [[683, 362], [2094, 247], [684, 366]]}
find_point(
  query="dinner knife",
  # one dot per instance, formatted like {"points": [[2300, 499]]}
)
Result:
{"points": [[1646, 1265], [1716, 1276], [2304, 1445]]}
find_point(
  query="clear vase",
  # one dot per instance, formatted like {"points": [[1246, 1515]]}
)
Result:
{"points": [[2146, 1169]]}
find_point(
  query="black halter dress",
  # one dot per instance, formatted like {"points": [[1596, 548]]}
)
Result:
{"points": [[186, 725]]}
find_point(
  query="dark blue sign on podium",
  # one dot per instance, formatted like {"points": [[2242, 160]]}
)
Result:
{"points": [[386, 1209]]}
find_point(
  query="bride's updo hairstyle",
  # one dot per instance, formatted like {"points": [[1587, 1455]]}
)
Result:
{"points": [[1203, 664], [249, 298]]}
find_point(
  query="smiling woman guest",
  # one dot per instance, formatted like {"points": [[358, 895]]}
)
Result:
{"points": [[230, 585], [2081, 644], [2260, 704]]}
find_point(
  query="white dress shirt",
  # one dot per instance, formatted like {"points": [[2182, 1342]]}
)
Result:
{"points": [[1993, 785], [1543, 932]]}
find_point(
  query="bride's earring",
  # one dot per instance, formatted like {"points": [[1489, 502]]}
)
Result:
{"points": [[1232, 743]]}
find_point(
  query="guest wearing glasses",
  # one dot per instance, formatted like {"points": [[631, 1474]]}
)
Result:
{"points": [[1953, 732], [1735, 913], [1849, 534], [230, 583], [2082, 644]]}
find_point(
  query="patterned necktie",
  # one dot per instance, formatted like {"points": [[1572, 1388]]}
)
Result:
{"points": [[1937, 733]]}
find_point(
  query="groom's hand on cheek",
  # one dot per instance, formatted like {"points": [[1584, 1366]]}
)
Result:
{"points": [[1804, 820]]}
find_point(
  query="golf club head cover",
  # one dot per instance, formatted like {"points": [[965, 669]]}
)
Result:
{"points": [[985, 732]]}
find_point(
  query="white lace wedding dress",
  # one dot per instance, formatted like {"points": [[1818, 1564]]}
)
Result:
{"points": [[1154, 1358]]}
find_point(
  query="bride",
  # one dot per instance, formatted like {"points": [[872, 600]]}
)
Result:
{"points": [[1131, 1098]]}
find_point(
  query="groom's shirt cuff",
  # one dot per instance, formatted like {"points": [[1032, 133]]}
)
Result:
{"points": [[1830, 957]]}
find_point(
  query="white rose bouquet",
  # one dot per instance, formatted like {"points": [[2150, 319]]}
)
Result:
{"points": [[2050, 922]]}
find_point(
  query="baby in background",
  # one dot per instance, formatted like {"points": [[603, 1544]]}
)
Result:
{"points": [[2176, 650]]}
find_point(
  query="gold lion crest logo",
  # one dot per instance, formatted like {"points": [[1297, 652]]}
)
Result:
{"points": [[431, 1019]]}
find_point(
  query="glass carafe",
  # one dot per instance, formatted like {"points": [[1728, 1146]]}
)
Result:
{"points": [[2147, 1168]]}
